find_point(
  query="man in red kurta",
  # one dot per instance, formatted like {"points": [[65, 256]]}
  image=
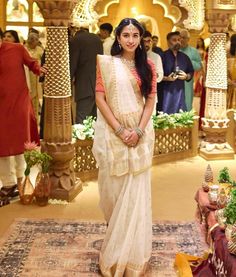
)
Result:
{"points": [[17, 121]]}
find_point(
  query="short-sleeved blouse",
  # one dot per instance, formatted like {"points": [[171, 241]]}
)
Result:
{"points": [[100, 85]]}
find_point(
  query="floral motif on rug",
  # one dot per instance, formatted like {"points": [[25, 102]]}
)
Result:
{"points": [[70, 248]]}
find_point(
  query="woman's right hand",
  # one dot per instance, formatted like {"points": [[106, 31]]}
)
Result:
{"points": [[125, 135]]}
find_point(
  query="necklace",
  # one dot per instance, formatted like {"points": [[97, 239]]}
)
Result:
{"points": [[129, 63]]}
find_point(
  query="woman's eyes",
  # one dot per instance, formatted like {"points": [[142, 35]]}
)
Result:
{"points": [[135, 35]]}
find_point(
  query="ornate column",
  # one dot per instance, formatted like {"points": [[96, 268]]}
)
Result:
{"points": [[57, 124], [215, 124], [3, 5]]}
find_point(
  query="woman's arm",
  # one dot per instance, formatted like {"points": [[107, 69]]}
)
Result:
{"points": [[106, 111], [109, 116], [147, 111]]}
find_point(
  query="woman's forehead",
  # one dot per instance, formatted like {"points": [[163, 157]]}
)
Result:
{"points": [[130, 29]]}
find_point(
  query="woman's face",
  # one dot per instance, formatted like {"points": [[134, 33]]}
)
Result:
{"points": [[200, 42], [129, 38], [8, 37]]}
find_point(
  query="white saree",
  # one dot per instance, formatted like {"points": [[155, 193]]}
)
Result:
{"points": [[124, 176]]}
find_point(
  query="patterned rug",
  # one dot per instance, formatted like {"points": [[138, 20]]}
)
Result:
{"points": [[69, 248]]}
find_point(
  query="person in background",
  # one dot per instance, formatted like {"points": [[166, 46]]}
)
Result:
{"points": [[17, 161], [11, 36], [36, 52], [199, 77], [123, 148], [155, 58], [195, 58], [105, 35], [155, 48], [84, 47], [177, 69], [18, 124], [231, 61], [228, 43]]}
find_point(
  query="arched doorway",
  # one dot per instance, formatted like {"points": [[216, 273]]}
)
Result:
{"points": [[158, 16]]}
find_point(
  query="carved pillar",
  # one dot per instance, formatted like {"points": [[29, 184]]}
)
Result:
{"points": [[215, 124], [57, 124]]}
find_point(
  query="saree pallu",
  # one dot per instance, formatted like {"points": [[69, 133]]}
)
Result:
{"points": [[124, 176]]}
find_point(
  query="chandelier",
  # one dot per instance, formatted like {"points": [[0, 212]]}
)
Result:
{"points": [[196, 13], [84, 13]]}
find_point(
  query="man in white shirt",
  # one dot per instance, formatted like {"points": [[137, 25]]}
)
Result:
{"points": [[155, 58], [105, 34]]}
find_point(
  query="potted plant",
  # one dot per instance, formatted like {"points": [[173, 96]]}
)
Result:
{"points": [[230, 213], [164, 121], [84, 131], [26, 189], [225, 180], [43, 182]]}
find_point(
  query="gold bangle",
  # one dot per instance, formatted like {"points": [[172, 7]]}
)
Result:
{"points": [[119, 130], [213, 227]]}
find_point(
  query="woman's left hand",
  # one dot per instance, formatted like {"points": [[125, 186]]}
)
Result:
{"points": [[132, 140]]}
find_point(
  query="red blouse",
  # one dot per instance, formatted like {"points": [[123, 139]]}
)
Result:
{"points": [[100, 85]]}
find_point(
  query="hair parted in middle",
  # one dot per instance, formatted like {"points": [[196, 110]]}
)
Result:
{"points": [[142, 66]]}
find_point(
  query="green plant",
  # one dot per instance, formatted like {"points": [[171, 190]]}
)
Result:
{"points": [[230, 209], [33, 156], [45, 161], [85, 130], [182, 119], [224, 176]]}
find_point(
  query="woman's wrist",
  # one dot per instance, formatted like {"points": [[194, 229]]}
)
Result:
{"points": [[119, 130], [139, 132]]}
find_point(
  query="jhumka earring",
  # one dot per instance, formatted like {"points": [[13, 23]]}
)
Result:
{"points": [[119, 46], [140, 46]]}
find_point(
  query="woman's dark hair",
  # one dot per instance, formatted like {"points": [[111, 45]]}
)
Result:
{"points": [[203, 44], [233, 45], [1, 33], [142, 66], [14, 34]]}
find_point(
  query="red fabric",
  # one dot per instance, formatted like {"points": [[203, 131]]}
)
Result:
{"points": [[221, 262], [100, 85], [17, 120]]}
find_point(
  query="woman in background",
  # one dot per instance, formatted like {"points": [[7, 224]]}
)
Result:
{"points": [[11, 36], [231, 95], [36, 52], [123, 148]]}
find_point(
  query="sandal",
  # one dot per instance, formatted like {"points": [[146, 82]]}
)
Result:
{"points": [[8, 191], [4, 201]]}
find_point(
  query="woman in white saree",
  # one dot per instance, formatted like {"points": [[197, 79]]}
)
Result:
{"points": [[123, 148]]}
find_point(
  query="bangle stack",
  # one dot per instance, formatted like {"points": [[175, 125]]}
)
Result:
{"points": [[119, 130], [139, 132]]}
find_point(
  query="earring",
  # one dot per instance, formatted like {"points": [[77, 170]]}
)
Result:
{"points": [[140, 46], [119, 46]]}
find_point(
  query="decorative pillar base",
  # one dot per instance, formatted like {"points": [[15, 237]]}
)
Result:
{"points": [[216, 154], [65, 185], [62, 194], [215, 146]]}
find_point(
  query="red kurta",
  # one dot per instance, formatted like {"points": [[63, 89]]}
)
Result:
{"points": [[17, 120]]}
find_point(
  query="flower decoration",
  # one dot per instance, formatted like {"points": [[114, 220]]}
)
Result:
{"points": [[181, 119], [33, 156], [85, 130]]}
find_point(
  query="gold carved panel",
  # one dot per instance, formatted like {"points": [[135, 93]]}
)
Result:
{"points": [[224, 4]]}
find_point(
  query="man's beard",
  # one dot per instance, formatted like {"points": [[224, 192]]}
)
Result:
{"points": [[176, 46]]}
